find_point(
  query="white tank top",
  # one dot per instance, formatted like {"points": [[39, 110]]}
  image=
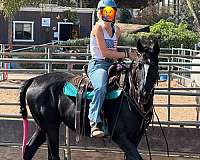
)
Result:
{"points": [[111, 43]]}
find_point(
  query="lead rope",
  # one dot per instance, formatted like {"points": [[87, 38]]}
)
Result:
{"points": [[84, 108], [116, 120], [162, 131], [145, 132]]}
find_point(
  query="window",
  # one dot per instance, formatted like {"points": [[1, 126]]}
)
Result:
{"points": [[23, 31]]}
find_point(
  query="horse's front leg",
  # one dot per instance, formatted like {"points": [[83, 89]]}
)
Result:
{"points": [[128, 147]]}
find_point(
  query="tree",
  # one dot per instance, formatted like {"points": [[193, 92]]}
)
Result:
{"points": [[194, 7], [10, 7], [67, 3], [187, 11]]}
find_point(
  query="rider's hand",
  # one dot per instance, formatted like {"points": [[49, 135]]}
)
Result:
{"points": [[133, 55]]}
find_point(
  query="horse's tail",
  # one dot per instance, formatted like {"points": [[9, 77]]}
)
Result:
{"points": [[23, 111]]}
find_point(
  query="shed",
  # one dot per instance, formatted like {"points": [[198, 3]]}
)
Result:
{"points": [[33, 26]]}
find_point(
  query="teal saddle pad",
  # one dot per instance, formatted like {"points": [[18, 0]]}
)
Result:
{"points": [[70, 90]]}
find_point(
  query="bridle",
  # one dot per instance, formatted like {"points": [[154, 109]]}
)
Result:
{"points": [[146, 114], [134, 79], [133, 100], [132, 96], [132, 92]]}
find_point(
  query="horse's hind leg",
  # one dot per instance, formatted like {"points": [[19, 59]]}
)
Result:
{"points": [[53, 142], [35, 142], [128, 147]]}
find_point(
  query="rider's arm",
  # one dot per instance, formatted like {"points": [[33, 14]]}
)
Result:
{"points": [[131, 55], [107, 53], [118, 33]]}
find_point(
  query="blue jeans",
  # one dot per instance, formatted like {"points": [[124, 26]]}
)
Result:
{"points": [[98, 75]]}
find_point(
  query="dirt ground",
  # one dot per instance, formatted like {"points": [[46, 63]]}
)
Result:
{"points": [[13, 153], [177, 114], [11, 96]]}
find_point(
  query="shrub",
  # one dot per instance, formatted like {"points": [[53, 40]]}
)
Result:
{"points": [[168, 34], [173, 35], [127, 39], [77, 42]]}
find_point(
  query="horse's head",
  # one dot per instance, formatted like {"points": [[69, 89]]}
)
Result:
{"points": [[144, 73]]}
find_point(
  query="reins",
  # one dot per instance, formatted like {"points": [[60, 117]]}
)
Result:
{"points": [[132, 101], [129, 99], [151, 109], [139, 106]]}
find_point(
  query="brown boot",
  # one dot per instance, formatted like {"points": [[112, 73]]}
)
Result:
{"points": [[96, 130]]}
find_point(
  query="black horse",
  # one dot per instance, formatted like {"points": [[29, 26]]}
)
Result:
{"points": [[127, 116]]}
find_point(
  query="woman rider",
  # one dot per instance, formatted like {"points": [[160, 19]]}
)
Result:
{"points": [[103, 47]]}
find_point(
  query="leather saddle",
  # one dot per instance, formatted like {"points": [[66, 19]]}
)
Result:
{"points": [[83, 84], [114, 73]]}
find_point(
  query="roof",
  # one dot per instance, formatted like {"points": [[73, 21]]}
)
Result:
{"points": [[54, 8], [132, 28], [50, 8], [121, 3]]}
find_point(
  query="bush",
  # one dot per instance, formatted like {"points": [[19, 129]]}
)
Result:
{"points": [[168, 34], [77, 42], [173, 35], [127, 39]]}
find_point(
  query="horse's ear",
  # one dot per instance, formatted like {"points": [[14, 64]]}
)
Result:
{"points": [[156, 47], [140, 47]]}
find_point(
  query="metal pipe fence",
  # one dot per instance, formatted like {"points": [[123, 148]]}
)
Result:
{"points": [[169, 65], [184, 56], [168, 91]]}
